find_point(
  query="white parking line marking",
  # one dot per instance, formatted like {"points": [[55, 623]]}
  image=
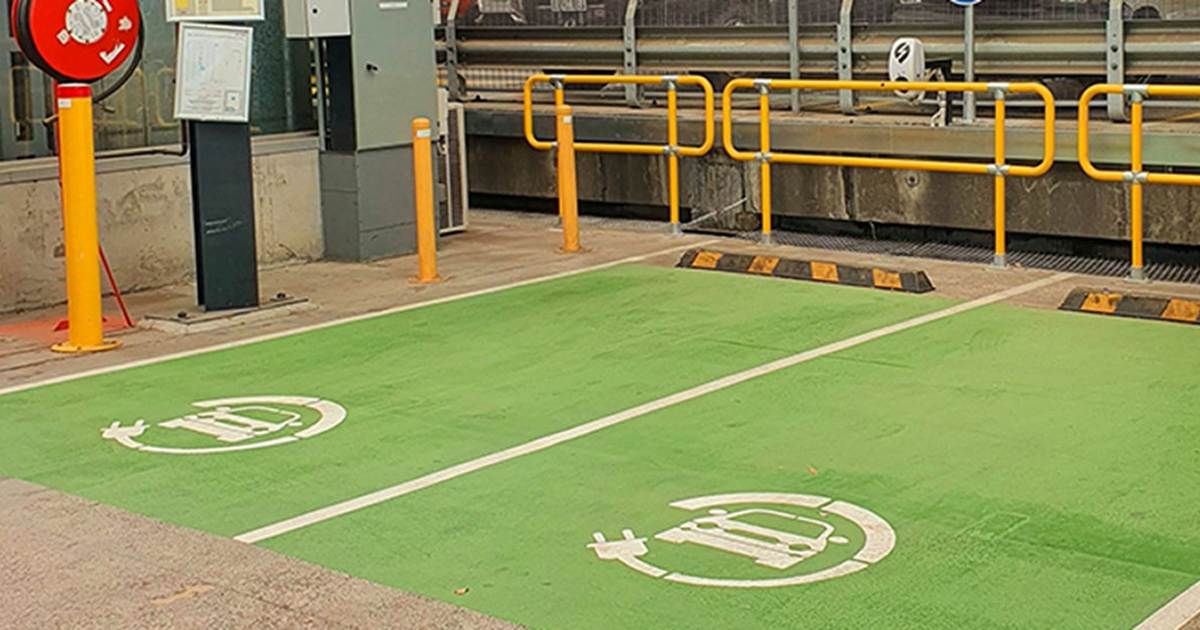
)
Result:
{"points": [[543, 443], [1176, 613], [346, 320]]}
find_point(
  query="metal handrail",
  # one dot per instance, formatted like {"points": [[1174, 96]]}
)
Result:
{"points": [[1137, 176], [999, 169], [672, 149]]}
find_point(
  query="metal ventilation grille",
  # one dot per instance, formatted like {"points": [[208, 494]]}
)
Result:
{"points": [[1090, 265]]}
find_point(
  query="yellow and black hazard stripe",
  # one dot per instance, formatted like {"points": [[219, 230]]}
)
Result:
{"points": [[1162, 308], [816, 271]]}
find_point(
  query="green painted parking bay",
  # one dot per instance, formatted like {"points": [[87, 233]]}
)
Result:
{"points": [[423, 389], [645, 447], [1037, 470]]}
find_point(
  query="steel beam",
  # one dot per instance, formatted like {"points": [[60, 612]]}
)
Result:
{"points": [[1115, 57], [793, 8], [845, 54], [633, 93], [969, 62], [1165, 48]]}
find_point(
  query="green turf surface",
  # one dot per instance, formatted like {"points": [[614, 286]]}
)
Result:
{"points": [[1039, 470], [425, 389]]}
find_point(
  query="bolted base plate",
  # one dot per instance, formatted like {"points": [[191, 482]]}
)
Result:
{"points": [[69, 348]]}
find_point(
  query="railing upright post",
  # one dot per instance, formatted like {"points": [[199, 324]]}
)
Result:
{"points": [[845, 53], [764, 156], [793, 8], [633, 93], [1137, 270], [1115, 57], [1000, 173], [969, 109], [672, 150]]}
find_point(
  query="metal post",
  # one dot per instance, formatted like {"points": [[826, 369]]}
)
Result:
{"points": [[1115, 62], [633, 93], [319, 62], [845, 52], [969, 62], [568, 194], [794, 49], [77, 166], [1000, 173], [458, 89], [422, 135], [764, 156], [7, 131], [1137, 271], [673, 152]]}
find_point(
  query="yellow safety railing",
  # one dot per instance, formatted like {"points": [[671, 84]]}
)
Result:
{"points": [[671, 149], [1000, 169], [1137, 177]]}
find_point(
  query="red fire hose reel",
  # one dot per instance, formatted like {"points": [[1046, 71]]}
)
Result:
{"points": [[77, 41]]}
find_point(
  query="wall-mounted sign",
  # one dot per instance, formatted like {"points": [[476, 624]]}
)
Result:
{"points": [[214, 10], [212, 73]]}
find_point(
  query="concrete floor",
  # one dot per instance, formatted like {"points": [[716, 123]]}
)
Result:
{"points": [[72, 563]]}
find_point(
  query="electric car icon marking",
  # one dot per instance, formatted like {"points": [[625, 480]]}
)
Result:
{"points": [[768, 547]]}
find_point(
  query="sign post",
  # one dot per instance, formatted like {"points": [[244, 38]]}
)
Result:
{"points": [[78, 42], [212, 94]]}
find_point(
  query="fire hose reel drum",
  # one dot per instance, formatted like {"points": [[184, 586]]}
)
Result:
{"points": [[77, 41]]}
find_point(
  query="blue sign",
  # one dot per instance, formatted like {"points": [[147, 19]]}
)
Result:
{"points": [[965, 3]]}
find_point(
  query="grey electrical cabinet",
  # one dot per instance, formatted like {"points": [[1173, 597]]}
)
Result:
{"points": [[310, 19], [395, 71], [376, 82]]}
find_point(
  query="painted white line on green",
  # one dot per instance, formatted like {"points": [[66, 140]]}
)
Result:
{"points": [[1176, 613], [346, 320], [543, 443]]}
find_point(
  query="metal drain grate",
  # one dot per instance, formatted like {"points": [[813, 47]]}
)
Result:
{"points": [[1089, 265]]}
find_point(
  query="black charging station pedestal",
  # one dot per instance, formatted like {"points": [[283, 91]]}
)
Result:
{"points": [[223, 215]]}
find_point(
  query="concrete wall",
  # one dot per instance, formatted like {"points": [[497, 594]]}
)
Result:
{"points": [[146, 221], [1063, 203]]}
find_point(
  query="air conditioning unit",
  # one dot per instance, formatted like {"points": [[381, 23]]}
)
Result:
{"points": [[453, 193]]}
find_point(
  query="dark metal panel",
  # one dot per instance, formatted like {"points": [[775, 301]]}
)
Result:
{"points": [[223, 207]]}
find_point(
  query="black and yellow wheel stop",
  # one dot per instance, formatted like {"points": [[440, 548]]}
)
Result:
{"points": [[811, 270], [1155, 307]]}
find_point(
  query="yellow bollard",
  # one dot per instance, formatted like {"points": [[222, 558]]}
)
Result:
{"points": [[427, 271], [77, 167], [568, 194]]}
